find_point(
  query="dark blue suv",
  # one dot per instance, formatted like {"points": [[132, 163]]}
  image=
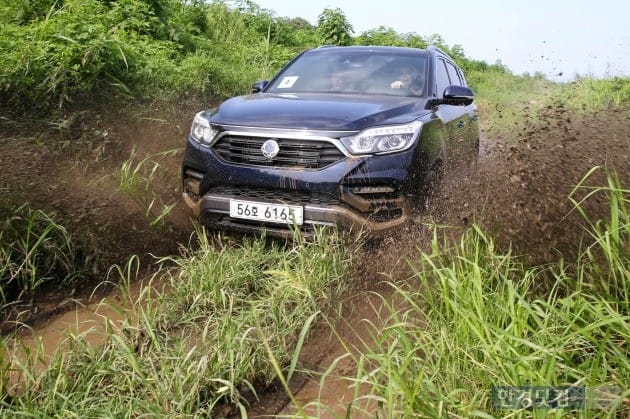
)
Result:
{"points": [[342, 136]]}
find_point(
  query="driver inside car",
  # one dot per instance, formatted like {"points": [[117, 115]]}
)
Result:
{"points": [[408, 79]]}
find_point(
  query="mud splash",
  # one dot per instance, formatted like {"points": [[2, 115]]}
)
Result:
{"points": [[516, 192]]}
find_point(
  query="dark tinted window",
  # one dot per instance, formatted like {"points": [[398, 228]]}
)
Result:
{"points": [[453, 74], [441, 77]]}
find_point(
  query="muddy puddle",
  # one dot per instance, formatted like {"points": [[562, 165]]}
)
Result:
{"points": [[89, 323]]}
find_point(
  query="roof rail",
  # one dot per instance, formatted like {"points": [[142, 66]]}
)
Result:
{"points": [[441, 51], [435, 48]]}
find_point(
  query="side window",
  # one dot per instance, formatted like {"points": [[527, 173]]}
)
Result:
{"points": [[461, 77], [453, 74], [441, 77]]}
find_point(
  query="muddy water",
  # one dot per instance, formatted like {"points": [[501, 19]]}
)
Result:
{"points": [[89, 323], [334, 395]]}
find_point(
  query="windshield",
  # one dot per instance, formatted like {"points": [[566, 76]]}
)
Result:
{"points": [[362, 72]]}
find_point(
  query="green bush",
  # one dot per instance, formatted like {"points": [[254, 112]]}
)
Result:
{"points": [[75, 49]]}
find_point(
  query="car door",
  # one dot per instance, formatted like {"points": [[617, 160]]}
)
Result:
{"points": [[470, 117], [456, 117]]}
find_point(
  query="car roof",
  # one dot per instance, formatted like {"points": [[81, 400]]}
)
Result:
{"points": [[375, 48]]}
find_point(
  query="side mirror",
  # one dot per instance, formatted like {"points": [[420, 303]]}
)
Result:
{"points": [[459, 95], [259, 86]]}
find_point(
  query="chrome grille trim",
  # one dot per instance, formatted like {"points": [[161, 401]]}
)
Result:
{"points": [[294, 152]]}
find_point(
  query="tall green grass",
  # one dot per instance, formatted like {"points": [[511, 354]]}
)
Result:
{"points": [[589, 93], [35, 249], [139, 181], [54, 53], [473, 318], [198, 340], [507, 101], [607, 258]]}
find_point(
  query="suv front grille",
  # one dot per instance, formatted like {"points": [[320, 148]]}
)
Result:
{"points": [[294, 153], [276, 195]]}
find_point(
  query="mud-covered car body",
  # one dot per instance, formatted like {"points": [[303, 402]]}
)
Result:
{"points": [[304, 150]]}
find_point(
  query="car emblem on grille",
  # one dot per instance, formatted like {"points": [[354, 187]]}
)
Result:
{"points": [[270, 148]]}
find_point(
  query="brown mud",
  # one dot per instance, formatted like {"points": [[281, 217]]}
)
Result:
{"points": [[516, 191]]}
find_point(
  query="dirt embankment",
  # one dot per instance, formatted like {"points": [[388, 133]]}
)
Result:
{"points": [[71, 169]]}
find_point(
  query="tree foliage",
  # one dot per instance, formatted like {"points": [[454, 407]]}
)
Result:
{"points": [[388, 36], [334, 28], [55, 51]]}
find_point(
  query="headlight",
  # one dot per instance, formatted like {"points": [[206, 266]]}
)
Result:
{"points": [[201, 131], [383, 140]]}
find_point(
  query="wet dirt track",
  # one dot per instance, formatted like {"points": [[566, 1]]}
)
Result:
{"points": [[517, 192]]}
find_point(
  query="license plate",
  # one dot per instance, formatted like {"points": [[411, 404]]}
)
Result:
{"points": [[270, 213]]}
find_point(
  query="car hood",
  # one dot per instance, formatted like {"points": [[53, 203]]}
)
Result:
{"points": [[330, 112]]}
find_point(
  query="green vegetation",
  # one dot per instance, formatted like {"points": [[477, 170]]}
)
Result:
{"points": [[508, 100], [334, 28], [591, 94], [34, 250], [138, 180], [473, 318], [54, 52], [199, 338]]}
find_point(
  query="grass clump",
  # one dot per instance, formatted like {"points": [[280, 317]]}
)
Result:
{"points": [[138, 181], [589, 93], [476, 318], [35, 250], [196, 341]]}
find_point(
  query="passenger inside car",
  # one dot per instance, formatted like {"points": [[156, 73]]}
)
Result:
{"points": [[337, 81]]}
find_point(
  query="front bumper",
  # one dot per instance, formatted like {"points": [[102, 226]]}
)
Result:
{"points": [[214, 211], [366, 193]]}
